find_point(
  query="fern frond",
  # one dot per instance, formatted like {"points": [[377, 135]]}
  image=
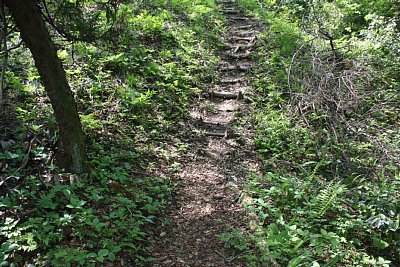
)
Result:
{"points": [[327, 198]]}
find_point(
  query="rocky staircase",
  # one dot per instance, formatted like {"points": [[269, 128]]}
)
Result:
{"points": [[229, 96], [207, 202]]}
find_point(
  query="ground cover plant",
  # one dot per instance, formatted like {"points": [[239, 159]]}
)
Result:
{"points": [[322, 113], [327, 131], [134, 67]]}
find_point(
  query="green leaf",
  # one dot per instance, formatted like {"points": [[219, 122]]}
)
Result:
{"points": [[12, 247], [91, 255], [334, 261], [81, 203], [116, 249], [7, 247], [319, 250], [380, 244], [103, 252], [111, 256], [76, 203], [67, 192], [8, 155], [295, 262], [62, 54], [368, 260]]}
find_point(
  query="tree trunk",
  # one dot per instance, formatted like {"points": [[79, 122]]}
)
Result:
{"points": [[71, 153], [3, 47]]}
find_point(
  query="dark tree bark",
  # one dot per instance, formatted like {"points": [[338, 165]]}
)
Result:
{"points": [[71, 153]]}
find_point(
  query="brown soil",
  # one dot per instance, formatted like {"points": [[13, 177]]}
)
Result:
{"points": [[208, 201]]}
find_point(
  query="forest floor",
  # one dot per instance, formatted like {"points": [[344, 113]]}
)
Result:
{"points": [[209, 200]]}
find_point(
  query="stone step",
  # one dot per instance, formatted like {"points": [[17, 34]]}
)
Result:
{"points": [[230, 105], [218, 111], [226, 2], [241, 18], [227, 134], [237, 67], [226, 95], [232, 80], [232, 77], [235, 49], [210, 133], [214, 129], [247, 54], [213, 126], [240, 33], [243, 27], [230, 11], [249, 39], [216, 134], [240, 48]]}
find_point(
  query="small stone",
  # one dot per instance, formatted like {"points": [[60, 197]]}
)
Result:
{"points": [[167, 262]]}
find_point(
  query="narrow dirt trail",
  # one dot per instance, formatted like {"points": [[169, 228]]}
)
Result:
{"points": [[208, 200]]}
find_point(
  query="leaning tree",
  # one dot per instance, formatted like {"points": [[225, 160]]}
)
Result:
{"points": [[27, 15]]}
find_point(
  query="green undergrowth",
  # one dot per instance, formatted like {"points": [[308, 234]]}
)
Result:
{"points": [[133, 86], [328, 134]]}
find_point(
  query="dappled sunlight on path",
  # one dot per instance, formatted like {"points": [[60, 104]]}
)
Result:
{"points": [[208, 201]]}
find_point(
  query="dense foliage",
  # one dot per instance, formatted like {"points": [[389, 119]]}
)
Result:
{"points": [[328, 132], [134, 68]]}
